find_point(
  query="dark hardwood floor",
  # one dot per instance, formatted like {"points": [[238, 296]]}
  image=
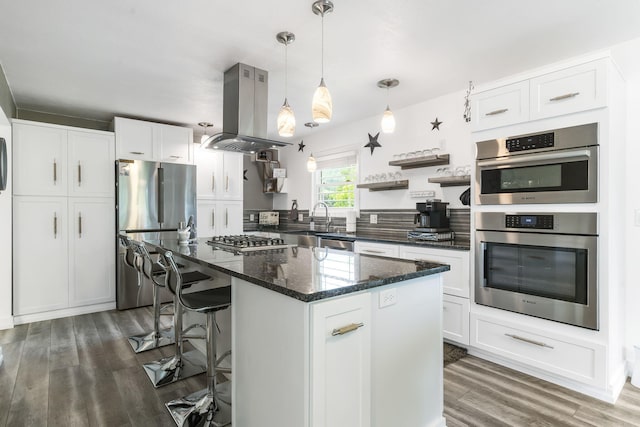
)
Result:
{"points": [[80, 371]]}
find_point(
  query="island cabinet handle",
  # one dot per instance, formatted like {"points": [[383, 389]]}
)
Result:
{"points": [[346, 329], [496, 112], [565, 96], [527, 340]]}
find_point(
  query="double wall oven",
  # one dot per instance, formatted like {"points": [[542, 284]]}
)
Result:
{"points": [[541, 264]]}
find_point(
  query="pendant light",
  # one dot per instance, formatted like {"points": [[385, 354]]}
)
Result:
{"points": [[322, 107], [204, 125], [286, 118], [311, 161], [388, 123]]}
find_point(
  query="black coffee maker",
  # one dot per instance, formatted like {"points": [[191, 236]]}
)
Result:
{"points": [[432, 216]]}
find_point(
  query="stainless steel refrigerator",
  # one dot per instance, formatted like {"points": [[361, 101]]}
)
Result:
{"points": [[150, 197]]}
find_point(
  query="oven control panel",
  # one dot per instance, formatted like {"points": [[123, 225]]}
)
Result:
{"points": [[531, 142], [544, 222]]}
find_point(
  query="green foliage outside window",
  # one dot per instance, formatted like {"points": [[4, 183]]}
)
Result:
{"points": [[336, 186]]}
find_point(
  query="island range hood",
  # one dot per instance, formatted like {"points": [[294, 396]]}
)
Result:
{"points": [[244, 120]]}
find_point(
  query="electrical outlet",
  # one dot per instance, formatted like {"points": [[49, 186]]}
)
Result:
{"points": [[388, 297], [300, 217], [373, 219], [252, 217]]}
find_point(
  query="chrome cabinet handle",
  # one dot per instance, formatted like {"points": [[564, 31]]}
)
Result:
{"points": [[175, 157], [565, 96], [346, 329], [226, 217], [371, 251], [55, 171], [213, 182], [496, 112], [226, 185], [139, 153], [527, 340], [213, 218], [80, 225], [55, 225], [79, 174]]}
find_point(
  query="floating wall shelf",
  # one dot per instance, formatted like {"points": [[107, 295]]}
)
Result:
{"points": [[389, 185], [421, 162], [451, 181]]}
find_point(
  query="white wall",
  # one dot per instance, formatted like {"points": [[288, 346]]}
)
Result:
{"points": [[6, 319], [413, 132]]}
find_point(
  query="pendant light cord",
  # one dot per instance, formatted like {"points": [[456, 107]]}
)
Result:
{"points": [[322, 50], [286, 68]]}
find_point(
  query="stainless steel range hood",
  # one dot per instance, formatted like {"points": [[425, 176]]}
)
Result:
{"points": [[244, 120]]}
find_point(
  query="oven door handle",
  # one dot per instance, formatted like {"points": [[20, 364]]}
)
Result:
{"points": [[532, 158], [485, 262]]}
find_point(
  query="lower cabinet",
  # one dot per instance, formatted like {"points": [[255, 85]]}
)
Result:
{"points": [[456, 280], [455, 319], [567, 356], [378, 249], [219, 218], [340, 373], [63, 253]]}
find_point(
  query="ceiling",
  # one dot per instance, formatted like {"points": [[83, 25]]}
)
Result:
{"points": [[164, 61]]}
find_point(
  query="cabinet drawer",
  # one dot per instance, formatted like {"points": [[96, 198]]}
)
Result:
{"points": [[456, 280], [378, 249], [502, 106], [569, 357], [568, 91], [455, 319]]}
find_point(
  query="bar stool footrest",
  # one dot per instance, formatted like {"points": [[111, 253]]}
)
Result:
{"points": [[171, 369], [150, 341]]}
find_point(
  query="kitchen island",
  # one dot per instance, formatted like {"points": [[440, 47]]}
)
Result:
{"points": [[322, 337]]}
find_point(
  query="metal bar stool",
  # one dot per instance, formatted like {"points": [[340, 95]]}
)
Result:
{"points": [[182, 364], [147, 268], [212, 405]]}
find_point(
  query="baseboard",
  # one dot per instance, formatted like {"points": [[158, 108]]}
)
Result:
{"points": [[606, 395], [6, 323], [65, 312]]}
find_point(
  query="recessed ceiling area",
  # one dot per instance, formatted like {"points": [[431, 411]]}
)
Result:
{"points": [[164, 61]]}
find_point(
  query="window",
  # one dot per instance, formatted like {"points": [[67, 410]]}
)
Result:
{"points": [[334, 182]]}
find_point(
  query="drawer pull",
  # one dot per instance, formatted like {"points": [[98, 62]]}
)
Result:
{"points": [[371, 251], [565, 96], [137, 153], [346, 329], [527, 340], [175, 157], [496, 112]]}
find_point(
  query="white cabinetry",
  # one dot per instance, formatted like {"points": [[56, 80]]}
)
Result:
{"points": [[219, 175], [63, 242], [219, 218], [578, 88], [340, 373], [141, 140]]}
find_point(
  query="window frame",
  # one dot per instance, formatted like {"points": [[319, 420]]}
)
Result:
{"points": [[336, 212]]}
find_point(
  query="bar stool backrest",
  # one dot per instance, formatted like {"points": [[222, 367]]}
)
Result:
{"points": [[143, 262], [173, 278], [129, 255]]}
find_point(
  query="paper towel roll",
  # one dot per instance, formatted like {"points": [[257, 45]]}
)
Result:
{"points": [[351, 221]]}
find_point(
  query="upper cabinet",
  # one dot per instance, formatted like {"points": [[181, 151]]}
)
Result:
{"points": [[52, 160], [219, 174], [579, 88], [141, 140]]}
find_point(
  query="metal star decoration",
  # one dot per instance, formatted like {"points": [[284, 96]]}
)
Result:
{"points": [[244, 175], [301, 146], [373, 142], [436, 124]]}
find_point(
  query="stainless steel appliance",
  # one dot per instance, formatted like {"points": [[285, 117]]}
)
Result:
{"points": [[539, 264], [432, 220], [150, 197], [3, 165], [557, 166], [248, 243]]}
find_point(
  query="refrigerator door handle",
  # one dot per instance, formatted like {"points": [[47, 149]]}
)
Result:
{"points": [[160, 195]]}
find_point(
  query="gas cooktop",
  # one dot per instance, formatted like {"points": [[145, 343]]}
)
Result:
{"points": [[248, 243]]}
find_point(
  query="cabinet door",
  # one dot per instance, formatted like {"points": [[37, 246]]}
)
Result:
{"points": [[39, 160], [209, 173], [91, 164], [455, 281], [91, 251], [135, 139], [207, 217], [232, 184], [503, 106], [176, 144], [231, 218], [341, 363], [568, 91], [378, 249], [40, 265], [455, 319]]}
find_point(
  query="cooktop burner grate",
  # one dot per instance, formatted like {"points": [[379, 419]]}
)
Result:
{"points": [[246, 243]]}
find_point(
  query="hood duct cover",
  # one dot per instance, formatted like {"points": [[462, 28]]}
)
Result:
{"points": [[244, 125]]}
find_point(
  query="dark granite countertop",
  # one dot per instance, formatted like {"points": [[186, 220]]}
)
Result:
{"points": [[304, 273], [398, 239]]}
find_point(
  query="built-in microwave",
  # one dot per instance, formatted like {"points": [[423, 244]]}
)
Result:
{"points": [[539, 264], [556, 166]]}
